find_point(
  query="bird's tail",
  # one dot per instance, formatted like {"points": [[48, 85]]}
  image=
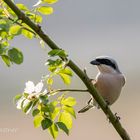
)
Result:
{"points": [[90, 104], [86, 108]]}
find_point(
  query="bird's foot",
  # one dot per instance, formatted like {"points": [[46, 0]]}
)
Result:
{"points": [[117, 117], [92, 80]]}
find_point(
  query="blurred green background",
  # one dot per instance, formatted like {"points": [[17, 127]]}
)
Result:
{"points": [[85, 29]]}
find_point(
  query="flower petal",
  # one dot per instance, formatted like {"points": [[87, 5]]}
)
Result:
{"points": [[38, 87], [30, 87], [45, 91]]}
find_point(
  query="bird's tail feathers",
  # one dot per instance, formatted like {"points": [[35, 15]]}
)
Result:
{"points": [[86, 108], [90, 104]]}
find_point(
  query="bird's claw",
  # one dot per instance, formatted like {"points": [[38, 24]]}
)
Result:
{"points": [[117, 117]]}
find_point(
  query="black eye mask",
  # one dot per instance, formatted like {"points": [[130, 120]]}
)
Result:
{"points": [[106, 62]]}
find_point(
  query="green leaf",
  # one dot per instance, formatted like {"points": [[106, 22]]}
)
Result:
{"points": [[27, 107], [35, 112], [38, 19], [49, 81], [66, 78], [25, 95], [66, 71], [15, 30], [37, 121], [45, 10], [46, 123], [47, 108], [50, 1], [17, 97], [3, 48], [57, 52], [57, 62], [70, 110], [55, 113], [27, 34], [43, 99], [6, 60], [35, 102], [22, 7], [15, 55], [66, 119], [70, 101], [63, 127], [53, 130]]}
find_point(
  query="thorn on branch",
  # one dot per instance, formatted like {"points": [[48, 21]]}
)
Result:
{"points": [[20, 17], [39, 28]]}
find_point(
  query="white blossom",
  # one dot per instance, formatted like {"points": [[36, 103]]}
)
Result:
{"points": [[32, 90]]}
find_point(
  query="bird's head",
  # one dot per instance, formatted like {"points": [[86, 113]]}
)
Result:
{"points": [[106, 64]]}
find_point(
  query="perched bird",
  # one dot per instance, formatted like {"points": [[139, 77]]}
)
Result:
{"points": [[108, 82]]}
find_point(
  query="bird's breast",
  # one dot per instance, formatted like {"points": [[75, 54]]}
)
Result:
{"points": [[109, 86]]}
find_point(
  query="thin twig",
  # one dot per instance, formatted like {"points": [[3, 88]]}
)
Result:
{"points": [[67, 90]]}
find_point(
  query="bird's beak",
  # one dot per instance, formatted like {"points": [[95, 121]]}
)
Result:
{"points": [[95, 62]]}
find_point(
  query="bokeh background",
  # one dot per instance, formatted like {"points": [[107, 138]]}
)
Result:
{"points": [[85, 29]]}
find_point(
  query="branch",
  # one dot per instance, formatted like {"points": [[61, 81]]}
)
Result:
{"points": [[69, 90], [86, 80]]}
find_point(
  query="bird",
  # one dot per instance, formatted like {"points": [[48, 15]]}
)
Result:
{"points": [[108, 82]]}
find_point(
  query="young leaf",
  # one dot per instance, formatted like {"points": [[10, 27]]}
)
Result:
{"points": [[53, 130], [27, 34], [70, 101], [22, 7], [55, 113], [63, 127], [50, 1], [15, 30], [35, 112], [49, 81], [70, 110], [6, 60], [47, 108], [17, 97], [66, 78], [66, 119], [46, 123], [57, 52], [15, 55], [38, 19], [3, 47], [43, 99], [28, 107], [45, 10], [66, 71], [37, 121]]}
